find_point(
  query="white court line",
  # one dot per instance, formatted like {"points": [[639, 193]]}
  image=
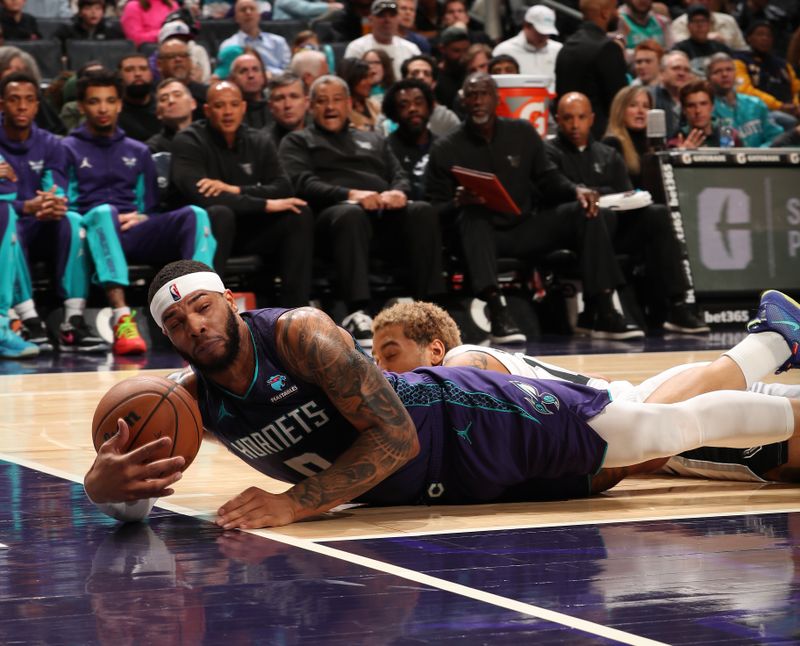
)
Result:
{"points": [[404, 573], [462, 590]]}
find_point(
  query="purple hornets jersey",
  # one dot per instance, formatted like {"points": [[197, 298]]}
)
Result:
{"points": [[480, 432]]}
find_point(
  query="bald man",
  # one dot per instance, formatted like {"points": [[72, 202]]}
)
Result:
{"points": [[644, 233], [591, 63], [232, 169]]}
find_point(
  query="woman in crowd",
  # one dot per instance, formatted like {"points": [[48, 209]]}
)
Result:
{"points": [[366, 112], [627, 128], [381, 72], [141, 20]]}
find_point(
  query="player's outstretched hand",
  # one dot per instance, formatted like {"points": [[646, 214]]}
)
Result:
{"points": [[254, 508], [117, 476]]}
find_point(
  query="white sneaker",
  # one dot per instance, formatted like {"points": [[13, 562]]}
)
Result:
{"points": [[359, 325]]}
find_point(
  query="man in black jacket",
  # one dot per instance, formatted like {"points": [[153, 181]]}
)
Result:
{"points": [[288, 103], [231, 169], [514, 152], [174, 61], [138, 116], [248, 72], [591, 63], [359, 191], [88, 24], [646, 232], [15, 24]]}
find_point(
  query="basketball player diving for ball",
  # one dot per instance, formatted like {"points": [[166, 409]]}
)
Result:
{"points": [[419, 334], [340, 430]]}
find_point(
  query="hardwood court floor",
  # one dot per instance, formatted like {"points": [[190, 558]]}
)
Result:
{"points": [[45, 424]]}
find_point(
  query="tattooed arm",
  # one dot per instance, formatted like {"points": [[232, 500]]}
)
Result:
{"points": [[314, 349]]}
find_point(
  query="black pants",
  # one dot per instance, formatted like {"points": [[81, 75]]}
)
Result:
{"points": [[409, 237], [647, 235], [484, 236], [284, 240]]}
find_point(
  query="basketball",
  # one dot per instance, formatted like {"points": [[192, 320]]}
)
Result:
{"points": [[152, 407]]}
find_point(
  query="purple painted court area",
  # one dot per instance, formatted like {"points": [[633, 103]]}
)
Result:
{"points": [[728, 580], [72, 576]]}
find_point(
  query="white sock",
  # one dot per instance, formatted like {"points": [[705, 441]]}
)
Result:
{"points": [[73, 307], [26, 310], [758, 355], [776, 390], [727, 418], [118, 312]]}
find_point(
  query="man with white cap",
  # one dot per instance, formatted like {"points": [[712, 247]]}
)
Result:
{"points": [[385, 22], [532, 47]]}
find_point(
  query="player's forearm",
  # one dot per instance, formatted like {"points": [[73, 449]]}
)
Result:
{"points": [[371, 459]]}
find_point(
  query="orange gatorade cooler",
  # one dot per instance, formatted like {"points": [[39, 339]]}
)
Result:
{"points": [[523, 96]]}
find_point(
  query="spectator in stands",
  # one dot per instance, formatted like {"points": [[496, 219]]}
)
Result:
{"points": [[385, 22], [247, 72], [88, 24], [360, 195], [723, 27], [175, 108], [15, 24], [455, 14], [409, 103], [113, 185], [453, 44], [229, 168], [138, 117], [638, 23], [760, 73], [273, 49], [48, 8], [353, 21], [141, 20], [699, 47], [701, 130], [309, 66], [381, 72], [592, 64], [46, 230], [407, 14], [532, 47], [70, 114], [627, 128], [476, 58], [174, 62], [176, 26], [503, 64], [780, 15], [306, 10], [441, 119], [305, 40], [428, 18], [288, 103], [365, 111], [13, 59], [645, 233], [514, 152], [647, 63], [676, 72], [747, 115]]}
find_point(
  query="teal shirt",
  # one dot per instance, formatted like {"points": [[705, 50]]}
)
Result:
{"points": [[749, 117], [638, 33]]}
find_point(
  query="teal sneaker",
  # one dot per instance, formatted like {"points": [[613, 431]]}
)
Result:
{"points": [[13, 346]]}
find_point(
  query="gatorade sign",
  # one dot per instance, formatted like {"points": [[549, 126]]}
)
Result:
{"points": [[523, 96]]}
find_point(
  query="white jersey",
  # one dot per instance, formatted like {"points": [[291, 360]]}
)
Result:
{"points": [[527, 366]]}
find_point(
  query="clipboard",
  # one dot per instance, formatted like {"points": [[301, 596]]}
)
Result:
{"points": [[487, 186]]}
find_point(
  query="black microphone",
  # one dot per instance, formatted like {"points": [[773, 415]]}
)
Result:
{"points": [[656, 130]]}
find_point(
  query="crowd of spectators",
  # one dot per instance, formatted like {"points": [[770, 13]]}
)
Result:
{"points": [[331, 150]]}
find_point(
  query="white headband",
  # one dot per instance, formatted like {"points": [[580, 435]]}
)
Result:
{"points": [[176, 290]]}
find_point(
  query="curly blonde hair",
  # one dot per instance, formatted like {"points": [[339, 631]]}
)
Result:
{"points": [[421, 322]]}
